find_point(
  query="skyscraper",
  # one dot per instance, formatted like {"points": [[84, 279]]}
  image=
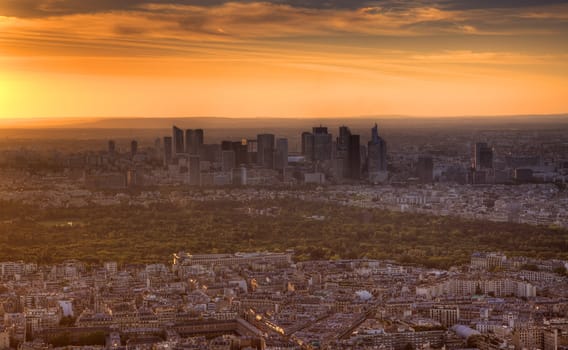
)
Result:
{"points": [[189, 141], [252, 151], [241, 152], [133, 147], [377, 157], [354, 157], [227, 160], [193, 141], [343, 166], [281, 158], [308, 145], [168, 148], [178, 145], [425, 169], [265, 151], [194, 170], [482, 156], [322, 144], [226, 145], [111, 146], [343, 139], [198, 140]]}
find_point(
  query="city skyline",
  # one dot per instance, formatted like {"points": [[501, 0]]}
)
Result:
{"points": [[282, 59], [339, 235]]}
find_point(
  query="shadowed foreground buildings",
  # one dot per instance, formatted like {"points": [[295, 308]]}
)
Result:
{"points": [[265, 301]]}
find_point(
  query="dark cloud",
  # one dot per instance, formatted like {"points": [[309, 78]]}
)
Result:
{"points": [[129, 30], [45, 8], [495, 4]]}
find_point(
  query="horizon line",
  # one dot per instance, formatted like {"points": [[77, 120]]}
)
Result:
{"points": [[51, 122]]}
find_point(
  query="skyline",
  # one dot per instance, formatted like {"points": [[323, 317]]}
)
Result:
{"points": [[183, 58]]}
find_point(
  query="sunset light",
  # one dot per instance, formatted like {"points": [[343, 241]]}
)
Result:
{"points": [[286, 58]]}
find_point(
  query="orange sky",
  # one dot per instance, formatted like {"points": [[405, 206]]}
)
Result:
{"points": [[282, 58]]}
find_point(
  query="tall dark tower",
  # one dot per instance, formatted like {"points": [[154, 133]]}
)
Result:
{"points": [[189, 141], [354, 157], [252, 151], [168, 150], [281, 154], [226, 145], [133, 147], [343, 152], [322, 143], [343, 139], [198, 140], [241, 152], [482, 156], [308, 145], [193, 141], [111, 146], [177, 135], [265, 150], [425, 169], [377, 157]]}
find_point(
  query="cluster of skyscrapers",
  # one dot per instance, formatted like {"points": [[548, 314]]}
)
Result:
{"points": [[348, 157], [321, 158], [343, 159], [481, 164]]}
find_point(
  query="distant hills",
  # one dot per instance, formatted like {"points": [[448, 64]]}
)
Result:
{"points": [[519, 121]]}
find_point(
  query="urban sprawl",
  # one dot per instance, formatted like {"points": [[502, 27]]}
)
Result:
{"points": [[267, 301]]}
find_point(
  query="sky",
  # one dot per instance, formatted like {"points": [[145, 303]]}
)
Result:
{"points": [[282, 58]]}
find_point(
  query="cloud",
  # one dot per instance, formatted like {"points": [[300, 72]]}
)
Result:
{"points": [[46, 8], [257, 30], [496, 4]]}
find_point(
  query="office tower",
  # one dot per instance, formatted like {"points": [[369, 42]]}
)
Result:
{"points": [[343, 140], [226, 145], [343, 167], [377, 157], [363, 154], [322, 144], [482, 156], [198, 139], [157, 150], [308, 145], [425, 169], [227, 160], [178, 144], [241, 152], [265, 151], [252, 151], [211, 153], [111, 146], [193, 141], [133, 147], [281, 157], [354, 157], [194, 170], [168, 148], [189, 137]]}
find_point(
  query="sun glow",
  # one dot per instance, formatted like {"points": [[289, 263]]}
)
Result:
{"points": [[263, 59]]}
